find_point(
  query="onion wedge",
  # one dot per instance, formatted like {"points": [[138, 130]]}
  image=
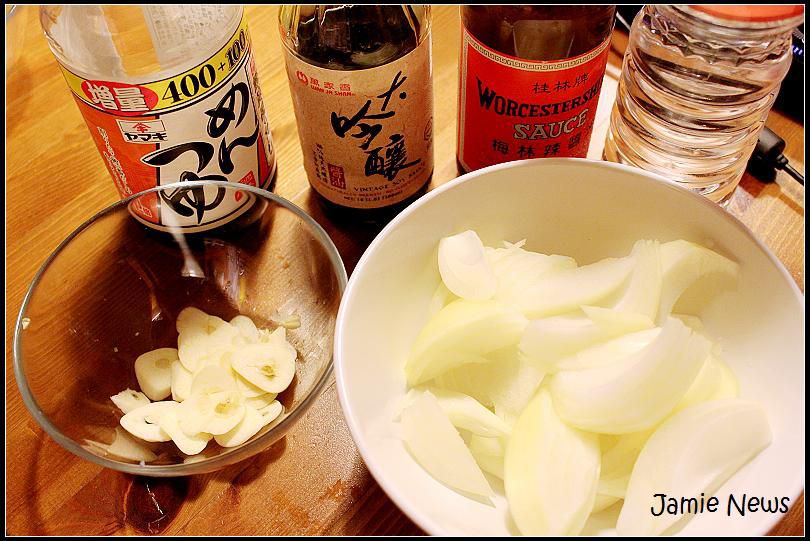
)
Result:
{"points": [[694, 452], [438, 447], [550, 472], [635, 393], [463, 331]]}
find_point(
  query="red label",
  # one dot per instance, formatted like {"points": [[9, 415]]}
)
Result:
{"points": [[513, 109], [336, 176], [120, 98]]}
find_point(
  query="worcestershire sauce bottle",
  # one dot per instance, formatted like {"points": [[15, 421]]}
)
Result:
{"points": [[360, 79], [529, 81]]}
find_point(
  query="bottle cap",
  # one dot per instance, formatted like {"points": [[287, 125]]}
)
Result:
{"points": [[756, 14]]}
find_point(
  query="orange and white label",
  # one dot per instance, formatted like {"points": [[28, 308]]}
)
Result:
{"points": [[207, 123], [514, 109], [366, 135]]}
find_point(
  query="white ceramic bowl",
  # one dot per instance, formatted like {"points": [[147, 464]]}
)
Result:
{"points": [[588, 210]]}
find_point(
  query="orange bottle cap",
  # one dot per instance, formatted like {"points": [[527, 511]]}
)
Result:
{"points": [[748, 13]]}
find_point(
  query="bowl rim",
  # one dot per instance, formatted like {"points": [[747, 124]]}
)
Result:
{"points": [[236, 454], [378, 472]]}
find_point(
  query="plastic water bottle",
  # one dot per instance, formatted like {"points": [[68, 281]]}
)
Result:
{"points": [[696, 88], [170, 93]]}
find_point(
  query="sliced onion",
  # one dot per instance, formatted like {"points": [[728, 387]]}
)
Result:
{"points": [[683, 263], [438, 448], [550, 339], [643, 293], [619, 454], [466, 413], [714, 382], [550, 472], [635, 393], [566, 291], [488, 453], [693, 453], [606, 353], [462, 332], [464, 267], [441, 298], [517, 270], [504, 383]]}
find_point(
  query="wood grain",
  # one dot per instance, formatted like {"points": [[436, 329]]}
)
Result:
{"points": [[313, 481]]}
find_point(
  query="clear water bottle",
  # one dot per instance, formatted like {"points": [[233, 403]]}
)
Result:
{"points": [[696, 87], [170, 93]]}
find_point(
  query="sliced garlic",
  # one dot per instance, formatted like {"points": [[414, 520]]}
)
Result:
{"points": [[214, 405], [129, 400], [188, 444], [144, 422], [213, 379], [215, 413], [250, 424], [191, 318], [246, 328], [181, 381], [211, 396], [260, 402], [154, 372], [271, 411], [200, 347], [247, 389], [268, 366], [126, 447]]}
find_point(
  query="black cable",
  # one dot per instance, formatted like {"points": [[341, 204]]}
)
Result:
{"points": [[768, 157], [787, 168]]}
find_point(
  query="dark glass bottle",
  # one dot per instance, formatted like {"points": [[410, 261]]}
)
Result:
{"points": [[529, 81], [361, 82]]}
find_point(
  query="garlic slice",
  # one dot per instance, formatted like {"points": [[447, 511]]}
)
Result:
{"points": [[260, 402], [249, 426], [246, 328], [181, 381], [188, 444], [144, 422], [126, 447], [271, 411], [268, 366], [129, 400], [154, 372]]}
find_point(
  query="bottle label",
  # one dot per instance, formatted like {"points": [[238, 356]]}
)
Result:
{"points": [[207, 123], [513, 109], [366, 135]]}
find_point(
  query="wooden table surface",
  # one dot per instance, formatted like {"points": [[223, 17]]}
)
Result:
{"points": [[313, 481]]}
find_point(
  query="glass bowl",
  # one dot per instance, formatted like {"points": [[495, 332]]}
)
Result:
{"points": [[112, 291]]}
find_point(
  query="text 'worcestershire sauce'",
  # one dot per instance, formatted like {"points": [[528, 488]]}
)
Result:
{"points": [[360, 79], [529, 81]]}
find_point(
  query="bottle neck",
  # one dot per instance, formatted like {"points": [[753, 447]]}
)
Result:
{"points": [[707, 27]]}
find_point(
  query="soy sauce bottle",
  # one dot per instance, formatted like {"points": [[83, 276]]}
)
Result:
{"points": [[361, 83]]}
